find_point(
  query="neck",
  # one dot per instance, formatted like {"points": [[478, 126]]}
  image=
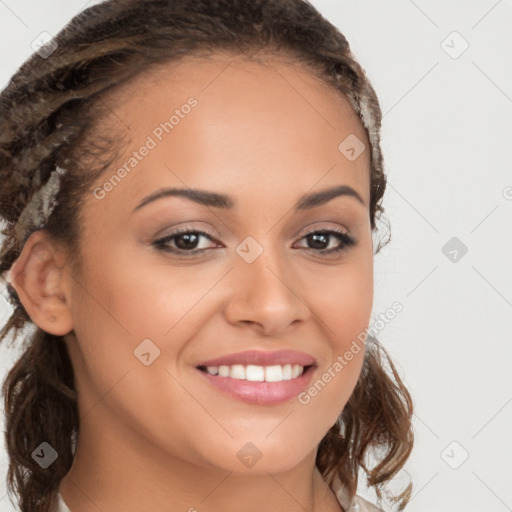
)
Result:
{"points": [[126, 472]]}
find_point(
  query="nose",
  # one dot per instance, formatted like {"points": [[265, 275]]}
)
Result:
{"points": [[266, 294]]}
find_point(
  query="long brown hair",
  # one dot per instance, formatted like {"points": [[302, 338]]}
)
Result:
{"points": [[51, 113]]}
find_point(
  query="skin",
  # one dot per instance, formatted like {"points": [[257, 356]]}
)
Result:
{"points": [[158, 437]]}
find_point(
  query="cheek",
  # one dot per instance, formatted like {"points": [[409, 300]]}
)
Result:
{"points": [[132, 295], [344, 300], [344, 307], [122, 304], [347, 311], [127, 301]]}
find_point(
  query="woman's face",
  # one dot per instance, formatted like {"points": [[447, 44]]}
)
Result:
{"points": [[146, 315]]}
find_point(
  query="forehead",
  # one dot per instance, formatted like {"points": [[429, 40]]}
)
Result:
{"points": [[236, 125]]}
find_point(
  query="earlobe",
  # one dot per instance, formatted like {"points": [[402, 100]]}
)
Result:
{"points": [[39, 278]]}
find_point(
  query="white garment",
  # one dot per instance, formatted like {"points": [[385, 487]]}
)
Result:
{"points": [[358, 504]]}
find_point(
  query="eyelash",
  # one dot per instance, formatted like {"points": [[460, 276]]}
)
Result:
{"points": [[162, 244]]}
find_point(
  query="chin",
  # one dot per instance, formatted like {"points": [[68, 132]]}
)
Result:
{"points": [[260, 457]]}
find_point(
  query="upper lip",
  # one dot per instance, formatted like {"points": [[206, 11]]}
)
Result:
{"points": [[262, 358]]}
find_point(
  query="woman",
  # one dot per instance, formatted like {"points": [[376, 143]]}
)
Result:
{"points": [[191, 192]]}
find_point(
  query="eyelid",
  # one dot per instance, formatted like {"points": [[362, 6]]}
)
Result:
{"points": [[187, 229], [309, 229]]}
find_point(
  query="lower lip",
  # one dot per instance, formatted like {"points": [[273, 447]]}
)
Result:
{"points": [[261, 393]]}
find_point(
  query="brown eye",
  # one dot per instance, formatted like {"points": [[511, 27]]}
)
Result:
{"points": [[319, 240], [185, 241]]}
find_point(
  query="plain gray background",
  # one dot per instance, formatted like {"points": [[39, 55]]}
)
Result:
{"points": [[446, 134]]}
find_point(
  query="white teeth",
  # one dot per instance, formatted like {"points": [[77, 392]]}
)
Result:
{"points": [[296, 370], [255, 373], [214, 370], [224, 371], [237, 371], [273, 373]]}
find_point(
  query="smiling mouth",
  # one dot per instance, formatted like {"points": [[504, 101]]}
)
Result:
{"points": [[257, 373], [266, 385]]}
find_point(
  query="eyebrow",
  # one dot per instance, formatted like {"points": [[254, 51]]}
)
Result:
{"points": [[217, 200]]}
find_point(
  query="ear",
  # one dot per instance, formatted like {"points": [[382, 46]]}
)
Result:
{"points": [[41, 281]]}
